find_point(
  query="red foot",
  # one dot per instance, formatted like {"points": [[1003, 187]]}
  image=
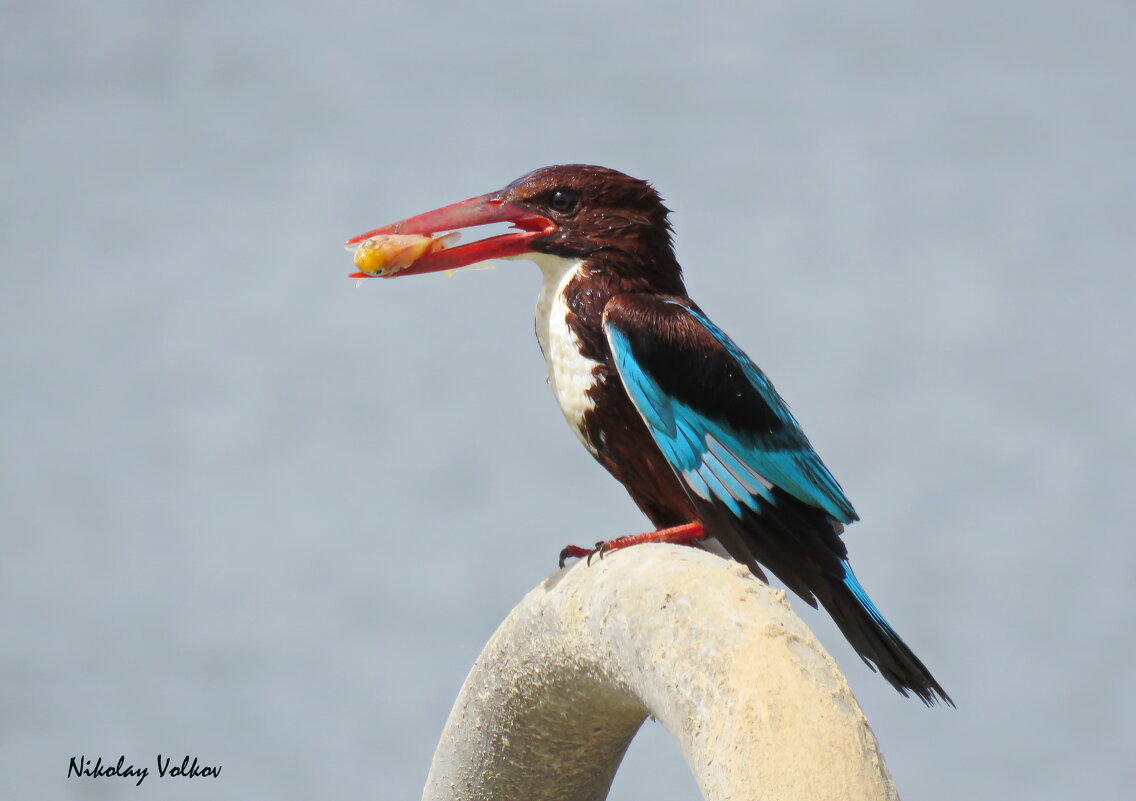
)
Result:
{"points": [[684, 534]]}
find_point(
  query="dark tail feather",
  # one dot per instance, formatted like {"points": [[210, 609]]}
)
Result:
{"points": [[801, 545], [876, 641]]}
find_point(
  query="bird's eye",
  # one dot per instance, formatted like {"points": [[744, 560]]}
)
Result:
{"points": [[563, 200]]}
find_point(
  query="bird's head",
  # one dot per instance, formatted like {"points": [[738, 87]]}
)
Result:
{"points": [[573, 211]]}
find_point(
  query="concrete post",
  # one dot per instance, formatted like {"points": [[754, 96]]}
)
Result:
{"points": [[758, 708]]}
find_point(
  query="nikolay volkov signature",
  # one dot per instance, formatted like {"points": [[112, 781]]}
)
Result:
{"points": [[188, 768]]}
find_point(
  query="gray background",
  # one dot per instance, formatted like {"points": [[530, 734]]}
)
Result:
{"points": [[253, 514]]}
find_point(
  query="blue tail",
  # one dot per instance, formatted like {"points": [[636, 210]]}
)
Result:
{"points": [[877, 642]]}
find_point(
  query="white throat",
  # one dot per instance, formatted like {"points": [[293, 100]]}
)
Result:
{"points": [[569, 373]]}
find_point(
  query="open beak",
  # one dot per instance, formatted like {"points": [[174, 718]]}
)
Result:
{"points": [[481, 210]]}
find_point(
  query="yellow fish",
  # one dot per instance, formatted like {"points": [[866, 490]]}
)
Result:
{"points": [[386, 254]]}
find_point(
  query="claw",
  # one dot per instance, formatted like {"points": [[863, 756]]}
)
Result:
{"points": [[573, 552]]}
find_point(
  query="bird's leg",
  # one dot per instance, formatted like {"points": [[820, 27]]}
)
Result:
{"points": [[684, 535]]}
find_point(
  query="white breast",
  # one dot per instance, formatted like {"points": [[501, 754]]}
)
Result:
{"points": [[569, 373]]}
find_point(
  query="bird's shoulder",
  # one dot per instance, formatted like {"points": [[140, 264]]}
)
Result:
{"points": [[693, 361]]}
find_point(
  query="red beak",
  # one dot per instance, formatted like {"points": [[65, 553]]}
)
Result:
{"points": [[481, 210]]}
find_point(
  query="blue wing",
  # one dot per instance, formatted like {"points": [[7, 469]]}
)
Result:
{"points": [[714, 415]]}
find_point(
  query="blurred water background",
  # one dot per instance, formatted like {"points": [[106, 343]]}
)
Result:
{"points": [[253, 514]]}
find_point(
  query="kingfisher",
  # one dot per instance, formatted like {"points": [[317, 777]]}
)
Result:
{"points": [[662, 397]]}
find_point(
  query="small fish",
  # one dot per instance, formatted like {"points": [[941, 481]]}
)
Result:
{"points": [[387, 254]]}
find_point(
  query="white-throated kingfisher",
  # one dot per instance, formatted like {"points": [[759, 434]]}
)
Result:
{"points": [[663, 399]]}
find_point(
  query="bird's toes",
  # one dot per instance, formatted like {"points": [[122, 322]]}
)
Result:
{"points": [[599, 551]]}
